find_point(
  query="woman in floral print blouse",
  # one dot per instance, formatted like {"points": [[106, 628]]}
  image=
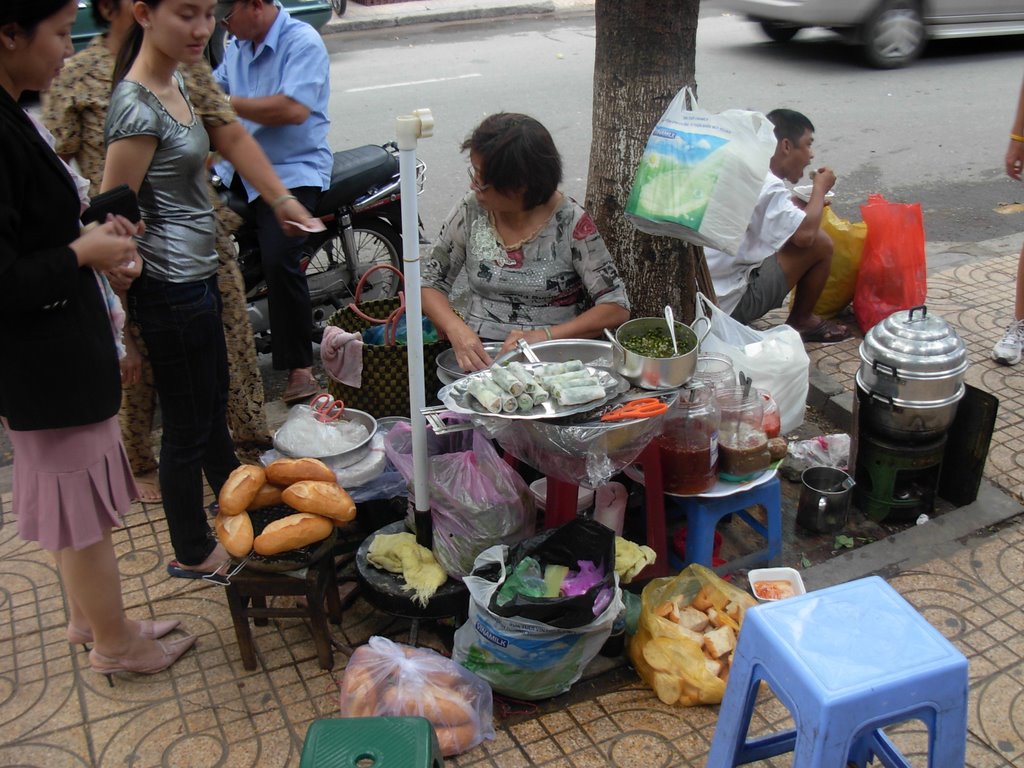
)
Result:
{"points": [[535, 264]]}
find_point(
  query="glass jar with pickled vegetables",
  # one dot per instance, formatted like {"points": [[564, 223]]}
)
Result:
{"points": [[742, 442], [689, 442]]}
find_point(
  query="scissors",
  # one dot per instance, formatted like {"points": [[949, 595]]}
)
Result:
{"points": [[642, 408], [326, 408]]}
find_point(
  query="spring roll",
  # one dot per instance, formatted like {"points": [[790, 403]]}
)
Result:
{"points": [[507, 381], [487, 394], [553, 369], [524, 402], [521, 372], [538, 393], [579, 395], [564, 378]]}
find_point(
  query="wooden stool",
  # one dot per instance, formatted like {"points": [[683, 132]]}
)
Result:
{"points": [[247, 598]]}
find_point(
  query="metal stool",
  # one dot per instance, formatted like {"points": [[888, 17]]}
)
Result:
{"points": [[704, 512], [247, 598], [383, 742], [846, 661]]}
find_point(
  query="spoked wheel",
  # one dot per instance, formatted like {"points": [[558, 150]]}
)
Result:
{"points": [[895, 35], [328, 276]]}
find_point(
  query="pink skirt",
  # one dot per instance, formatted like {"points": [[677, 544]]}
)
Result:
{"points": [[71, 485]]}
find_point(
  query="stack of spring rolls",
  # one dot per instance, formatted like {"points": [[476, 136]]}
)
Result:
{"points": [[516, 388]]}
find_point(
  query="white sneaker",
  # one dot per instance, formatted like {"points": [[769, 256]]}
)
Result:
{"points": [[1008, 349]]}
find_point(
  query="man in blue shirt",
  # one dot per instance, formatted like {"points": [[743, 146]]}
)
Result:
{"points": [[276, 74]]}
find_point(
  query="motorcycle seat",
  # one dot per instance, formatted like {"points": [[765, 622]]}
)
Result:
{"points": [[355, 172]]}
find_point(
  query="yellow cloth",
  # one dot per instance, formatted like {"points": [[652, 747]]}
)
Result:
{"points": [[631, 558], [399, 553]]}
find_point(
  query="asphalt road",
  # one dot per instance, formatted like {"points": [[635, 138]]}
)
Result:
{"points": [[933, 133]]}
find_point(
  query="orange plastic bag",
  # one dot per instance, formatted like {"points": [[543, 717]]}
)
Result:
{"points": [[893, 274]]}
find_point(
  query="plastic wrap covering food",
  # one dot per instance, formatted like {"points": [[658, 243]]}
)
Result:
{"points": [[572, 450]]}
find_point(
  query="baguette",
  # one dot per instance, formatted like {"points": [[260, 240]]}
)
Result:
{"points": [[284, 472], [320, 498], [240, 489], [267, 496], [456, 739], [234, 532], [292, 532]]}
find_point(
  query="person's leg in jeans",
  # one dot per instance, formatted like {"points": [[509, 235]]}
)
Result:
{"points": [[291, 311], [182, 329]]}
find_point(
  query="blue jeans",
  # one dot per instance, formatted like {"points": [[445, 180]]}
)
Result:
{"points": [[181, 326]]}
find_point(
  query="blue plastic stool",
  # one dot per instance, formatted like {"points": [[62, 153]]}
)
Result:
{"points": [[383, 742], [845, 661], [704, 512]]}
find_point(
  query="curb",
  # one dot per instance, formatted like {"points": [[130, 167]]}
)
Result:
{"points": [[403, 17]]}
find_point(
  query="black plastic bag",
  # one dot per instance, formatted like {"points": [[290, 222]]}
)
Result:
{"points": [[579, 539]]}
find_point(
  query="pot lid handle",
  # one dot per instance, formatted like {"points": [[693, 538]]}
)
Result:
{"points": [[910, 314]]}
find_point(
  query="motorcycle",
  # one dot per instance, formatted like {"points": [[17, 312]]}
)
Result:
{"points": [[362, 210]]}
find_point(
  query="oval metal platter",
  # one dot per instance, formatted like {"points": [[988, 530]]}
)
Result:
{"points": [[456, 398]]}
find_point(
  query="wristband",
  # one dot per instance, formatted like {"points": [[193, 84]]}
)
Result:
{"points": [[547, 332], [281, 201], [1017, 137]]}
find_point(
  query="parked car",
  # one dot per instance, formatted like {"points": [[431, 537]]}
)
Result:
{"points": [[892, 33], [315, 12]]}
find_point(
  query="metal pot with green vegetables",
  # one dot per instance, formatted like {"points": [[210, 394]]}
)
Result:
{"points": [[642, 352]]}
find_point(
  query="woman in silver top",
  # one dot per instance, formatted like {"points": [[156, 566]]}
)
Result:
{"points": [[157, 145]]}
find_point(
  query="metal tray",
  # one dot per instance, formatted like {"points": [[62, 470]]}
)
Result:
{"points": [[455, 397], [346, 458]]}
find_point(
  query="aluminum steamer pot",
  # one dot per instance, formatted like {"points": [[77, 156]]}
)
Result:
{"points": [[657, 372], [913, 357], [908, 421]]}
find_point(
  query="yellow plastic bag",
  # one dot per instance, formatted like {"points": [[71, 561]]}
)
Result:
{"points": [[683, 666], [847, 247]]}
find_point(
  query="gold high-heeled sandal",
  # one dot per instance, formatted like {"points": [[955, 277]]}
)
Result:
{"points": [[172, 651]]}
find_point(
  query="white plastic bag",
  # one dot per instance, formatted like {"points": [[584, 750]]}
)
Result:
{"points": [[774, 359], [520, 657], [701, 174]]}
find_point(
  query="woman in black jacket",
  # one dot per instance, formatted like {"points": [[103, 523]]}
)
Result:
{"points": [[59, 372]]}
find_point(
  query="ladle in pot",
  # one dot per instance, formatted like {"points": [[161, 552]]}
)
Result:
{"points": [[671, 320]]}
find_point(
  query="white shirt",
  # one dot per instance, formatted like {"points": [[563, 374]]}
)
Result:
{"points": [[773, 222]]}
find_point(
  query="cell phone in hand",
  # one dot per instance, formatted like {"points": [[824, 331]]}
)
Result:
{"points": [[120, 201]]}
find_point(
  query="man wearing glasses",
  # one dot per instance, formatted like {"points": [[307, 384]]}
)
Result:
{"points": [[276, 73]]}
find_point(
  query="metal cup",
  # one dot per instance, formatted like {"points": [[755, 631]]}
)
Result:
{"points": [[824, 505]]}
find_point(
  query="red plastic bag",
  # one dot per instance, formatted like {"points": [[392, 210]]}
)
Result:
{"points": [[893, 275]]}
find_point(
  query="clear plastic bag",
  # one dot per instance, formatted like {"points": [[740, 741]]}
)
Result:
{"points": [[303, 434], [387, 679], [476, 499], [823, 451]]}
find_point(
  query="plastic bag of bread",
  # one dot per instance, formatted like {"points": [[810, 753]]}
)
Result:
{"points": [[687, 632], [392, 680]]}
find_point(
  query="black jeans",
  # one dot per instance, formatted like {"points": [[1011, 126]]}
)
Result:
{"points": [[181, 326], [291, 311]]}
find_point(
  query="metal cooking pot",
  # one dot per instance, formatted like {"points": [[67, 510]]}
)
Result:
{"points": [[908, 420], [913, 357], [657, 372], [347, 458]]}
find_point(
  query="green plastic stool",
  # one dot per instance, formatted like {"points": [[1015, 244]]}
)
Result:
{"points": [[371, 742]]}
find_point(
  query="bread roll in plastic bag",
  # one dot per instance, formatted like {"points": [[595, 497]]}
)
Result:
{"points": [[384, 678]]}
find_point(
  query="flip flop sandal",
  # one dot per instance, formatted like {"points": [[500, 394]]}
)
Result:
{"points": [[826, 332], [302, 391]]}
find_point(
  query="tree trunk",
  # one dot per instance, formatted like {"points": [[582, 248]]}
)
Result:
{"points": [[645, 53]]}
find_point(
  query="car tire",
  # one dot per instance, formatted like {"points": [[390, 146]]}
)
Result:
{"points": [[894, 35], [779, 32], [339, 6]]}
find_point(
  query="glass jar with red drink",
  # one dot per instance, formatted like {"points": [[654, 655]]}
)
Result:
{"points": [[770, 419], [689, 442]]}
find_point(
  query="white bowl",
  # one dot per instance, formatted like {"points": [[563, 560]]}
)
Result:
{"points": [[804, 193], [790, 576]]}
